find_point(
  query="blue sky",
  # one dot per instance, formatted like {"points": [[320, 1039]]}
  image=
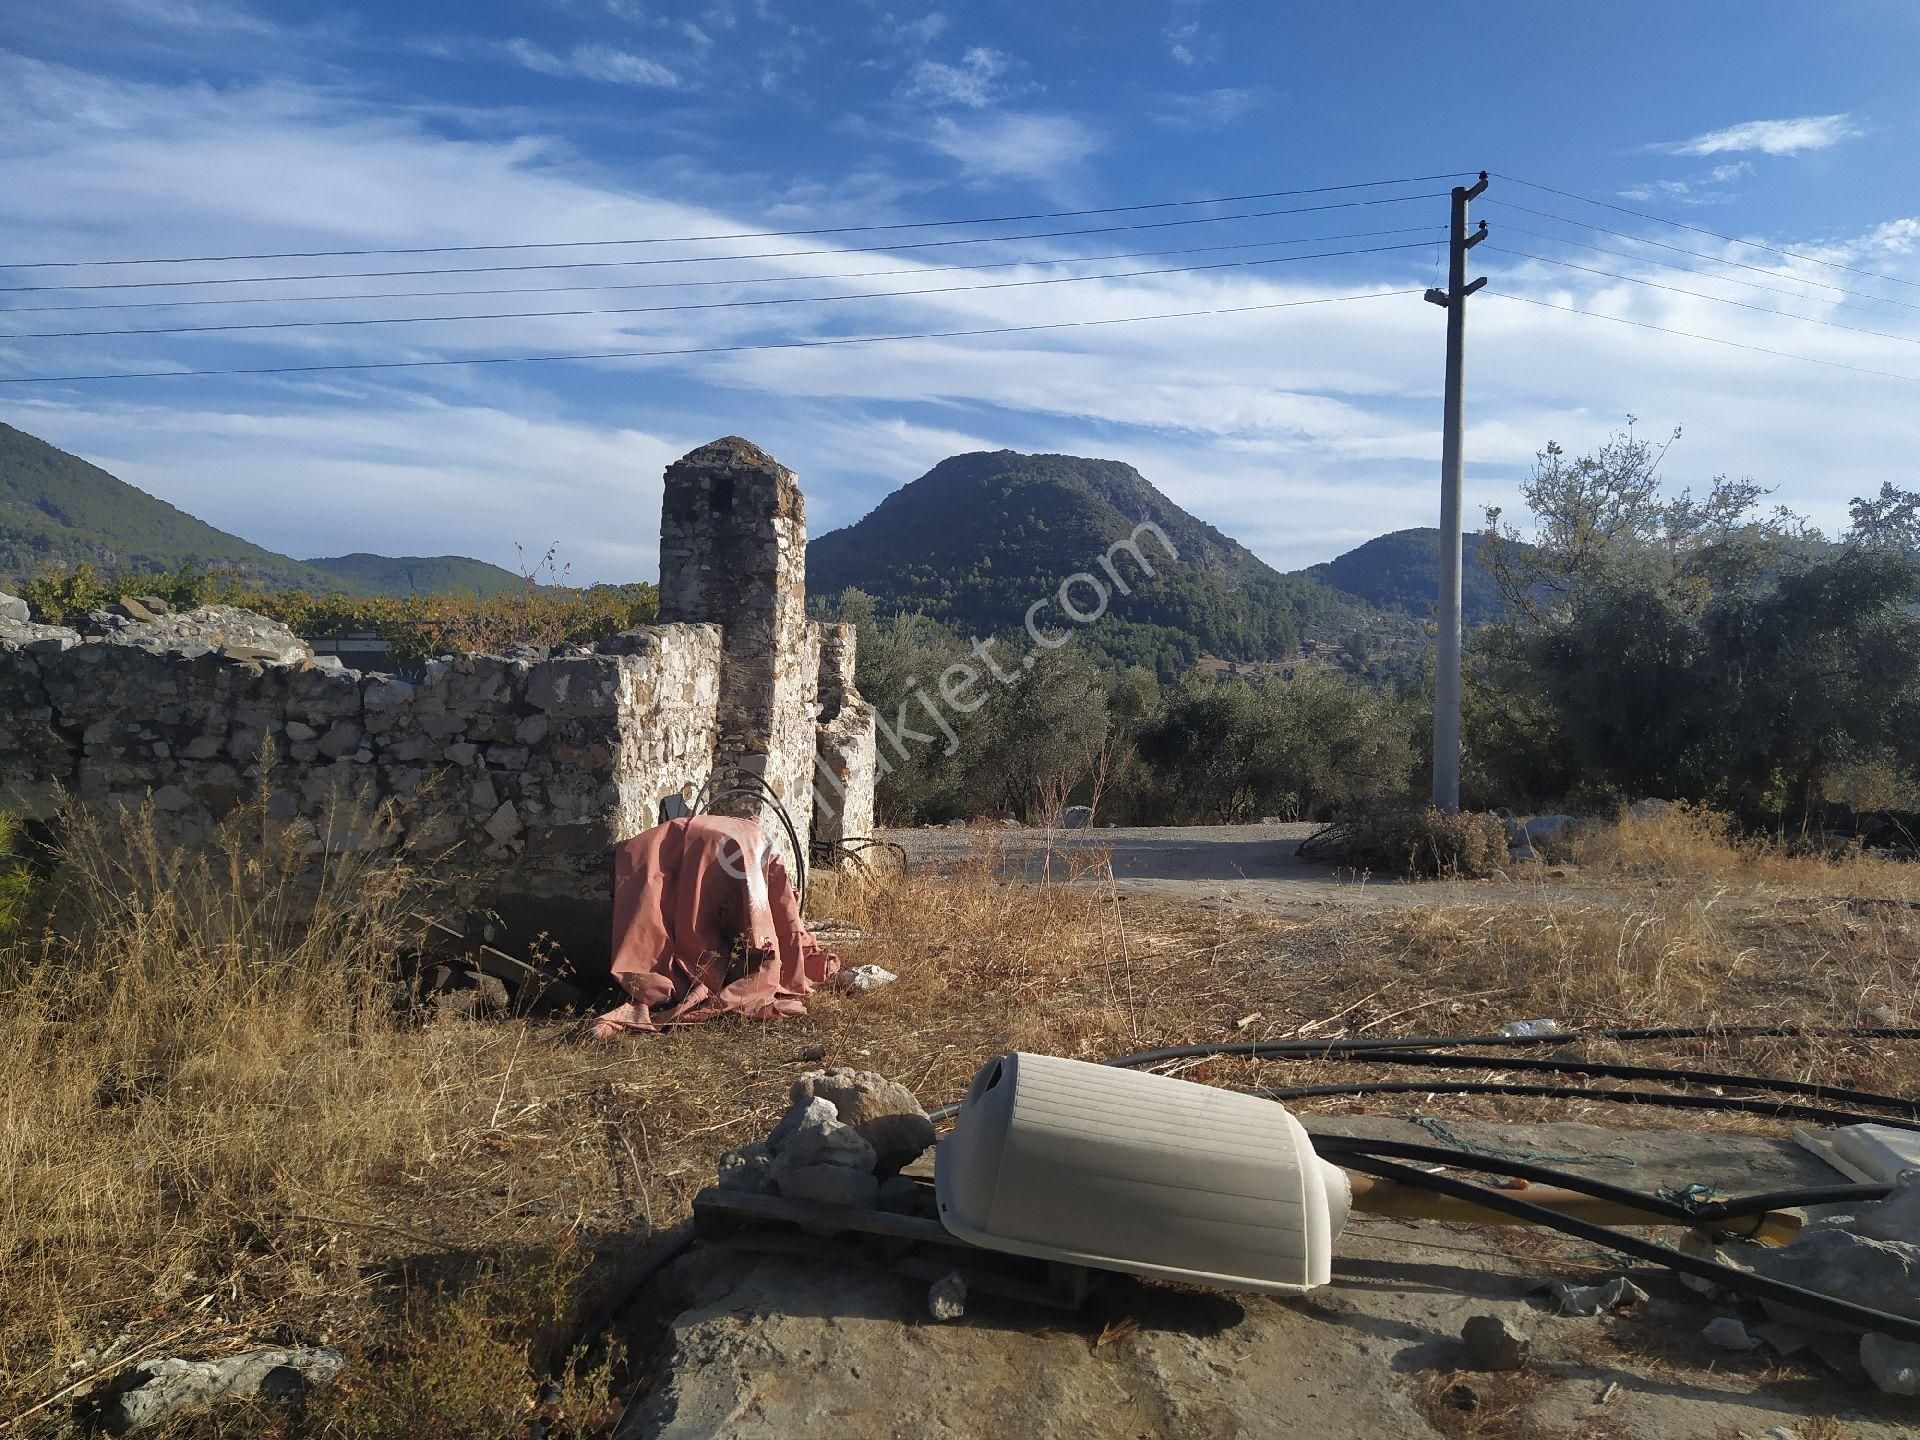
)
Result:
{"points": [[147, 128]]}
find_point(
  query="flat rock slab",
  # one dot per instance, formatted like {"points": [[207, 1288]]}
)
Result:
{"points": [[753, 1348]]}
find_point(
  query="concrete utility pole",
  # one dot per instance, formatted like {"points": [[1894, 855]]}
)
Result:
{"points": [[1446, 676]]}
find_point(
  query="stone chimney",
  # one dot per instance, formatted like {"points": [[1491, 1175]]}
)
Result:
{"points": [[733, 552]]}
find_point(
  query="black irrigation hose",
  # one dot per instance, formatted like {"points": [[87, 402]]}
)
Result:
{"points": [[1642, 1072], [1900, 1327], [1680, 1211], [1776, 1109]]}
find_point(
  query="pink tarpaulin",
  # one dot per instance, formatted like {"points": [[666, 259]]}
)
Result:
{"points": [[705, 921]]}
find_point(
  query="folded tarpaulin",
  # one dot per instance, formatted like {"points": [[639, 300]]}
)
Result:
{"points": [[705, 921]]}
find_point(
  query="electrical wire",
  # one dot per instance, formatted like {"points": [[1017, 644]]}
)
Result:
{"points": [[1509, 229], [1700, 295], [734, 235], [1715, 234], [715, 304], [714, 259], [913, 273], [845, 340], [1710, 339], [1773, 271]]}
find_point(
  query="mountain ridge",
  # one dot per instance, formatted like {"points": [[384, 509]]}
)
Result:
{"points": [[59, 509]]}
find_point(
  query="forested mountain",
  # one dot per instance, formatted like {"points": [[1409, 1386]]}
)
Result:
{"points": [[57, 509], [980, 538], [365, 574], [1401, 571]]}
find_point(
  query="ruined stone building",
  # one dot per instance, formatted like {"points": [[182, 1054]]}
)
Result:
{"points": [[515, 772]]}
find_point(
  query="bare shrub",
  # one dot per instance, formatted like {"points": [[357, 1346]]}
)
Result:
{"points": [[1424, 842]]}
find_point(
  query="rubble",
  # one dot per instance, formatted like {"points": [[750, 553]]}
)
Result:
{"points": [[885, 1113], [1724, 1332], [812, 1133], [1892, 1365]]}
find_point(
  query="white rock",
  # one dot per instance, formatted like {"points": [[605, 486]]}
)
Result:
{"points": [[866, 977], [1724, 1332], [172, 1386], [947, 1297], [1893, 1364], [811, 1133]]}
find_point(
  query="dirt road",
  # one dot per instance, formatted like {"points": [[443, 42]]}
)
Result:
{"points": [[1253, 868]]}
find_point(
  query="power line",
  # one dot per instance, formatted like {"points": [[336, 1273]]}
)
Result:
{"points": [[1699, 255], [1682, 269], [1702, 230], [697, 349], [1701, 295], [912, 273], [712, 304], [1710, 339], [711, 259], [733, 235]]}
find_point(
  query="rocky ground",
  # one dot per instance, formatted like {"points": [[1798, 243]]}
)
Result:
{"points": [[750, 1346]]}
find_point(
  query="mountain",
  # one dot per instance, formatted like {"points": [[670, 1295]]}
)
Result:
{"points": [[57, 509], [1401, 571], [979, 538], [365, 574]]}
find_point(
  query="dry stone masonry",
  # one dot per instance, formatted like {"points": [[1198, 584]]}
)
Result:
{"points": [[516, 772]]}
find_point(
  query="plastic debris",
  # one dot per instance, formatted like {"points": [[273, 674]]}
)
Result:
{"points": [[867, 977], [1531, 1027]]}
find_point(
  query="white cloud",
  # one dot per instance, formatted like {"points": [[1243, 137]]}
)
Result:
{"points": [[1037, 147], [914, 34], [1208, 109], [968, 83], [604, 63], [1770, 137], [1707, 189]]}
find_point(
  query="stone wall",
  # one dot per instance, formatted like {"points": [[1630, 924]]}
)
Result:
{"points": [[513, 774], [847, 750]]}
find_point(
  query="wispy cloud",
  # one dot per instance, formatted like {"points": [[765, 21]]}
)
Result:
{"points": [[969, 83], [914, 33], [1770, 137], [604, 63], [1016, 146], [1208, 109], [1708, 189]]}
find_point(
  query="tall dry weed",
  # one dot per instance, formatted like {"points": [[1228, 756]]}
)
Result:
{"points": [[202, 1047]]}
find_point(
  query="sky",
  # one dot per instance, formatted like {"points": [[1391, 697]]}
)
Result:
{"points": [[160, 129]]}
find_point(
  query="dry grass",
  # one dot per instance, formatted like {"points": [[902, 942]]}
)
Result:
{"points": [[214, 1133]]}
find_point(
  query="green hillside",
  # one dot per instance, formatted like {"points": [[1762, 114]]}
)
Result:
{"points": [[365, 574], [56, 509], [979, 538], [1401, 571]]}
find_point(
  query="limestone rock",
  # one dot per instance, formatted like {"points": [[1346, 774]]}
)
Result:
{"points": [[14, 610], [1894, 1365], [172, 1386], [811, 1133], [746, 1168], [828, 1185], [947, 1297], [1495, 1345], [885, 1113]]}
